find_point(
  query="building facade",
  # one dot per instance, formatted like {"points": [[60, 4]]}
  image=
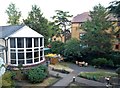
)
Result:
{"points": [[77, 31]]}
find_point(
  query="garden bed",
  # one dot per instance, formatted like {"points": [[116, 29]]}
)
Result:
{"points": [[97, 76], [46, 83], [62, 67], [61, 70]]}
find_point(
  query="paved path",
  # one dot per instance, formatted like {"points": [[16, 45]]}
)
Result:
{"points": [[68, 78]]}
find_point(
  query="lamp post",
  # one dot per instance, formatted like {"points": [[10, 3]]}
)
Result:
{"points": [[73, 78]]}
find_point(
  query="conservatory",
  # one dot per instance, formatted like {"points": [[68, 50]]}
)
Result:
{"points": [[22, 45]]}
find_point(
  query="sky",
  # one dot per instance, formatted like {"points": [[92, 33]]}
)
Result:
{"points": [[48, 7]]}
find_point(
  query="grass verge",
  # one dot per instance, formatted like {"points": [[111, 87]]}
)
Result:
{"points": [[97, 75], [76, 85]]}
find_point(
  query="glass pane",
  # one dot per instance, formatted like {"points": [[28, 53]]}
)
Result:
{"points": [[35, 42], [28, 61], [36, 60], [20, 61], [12, 43], [36, 54], [13, 55], [28, 49], [41, 44], [41, 58], [13, 50], [28, 42], [21, 50], [20, 42], [29, 55], [13, 61], [37, 49], [41, 53], [20, 55]]}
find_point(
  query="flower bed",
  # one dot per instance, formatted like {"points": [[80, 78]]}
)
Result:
{"points": [[61, 70]]}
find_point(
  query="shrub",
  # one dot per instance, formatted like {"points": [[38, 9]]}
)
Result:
{"points": [[37, 74], [13, 74], [115, 57], [118, 71], [110, 63], [72, 49], [99, 62], [44, 68], [102, 62], [7, 80]]}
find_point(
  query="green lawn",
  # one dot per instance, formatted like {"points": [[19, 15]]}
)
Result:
{"points": [[97, 75]]}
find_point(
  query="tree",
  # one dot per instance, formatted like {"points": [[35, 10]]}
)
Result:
{"points": [[72, 49], [52, 30], [115, 8], [57, 47], [97, 39], [13, 14], [61, 19], [37, 22]]}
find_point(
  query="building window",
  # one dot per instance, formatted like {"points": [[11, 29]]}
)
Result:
{"points": [[21, 62], [36, 60], [36, 55], [20, 56], [29, 55], [13, 55], [29, 61], [117, 46], [41, 53], [28, 42], [41, 41], [35, 42], [12, 43], [13, 61], [20, 42], [41, 58]]}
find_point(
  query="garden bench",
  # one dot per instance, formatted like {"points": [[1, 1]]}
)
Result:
{"points": [[81, 63]]}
